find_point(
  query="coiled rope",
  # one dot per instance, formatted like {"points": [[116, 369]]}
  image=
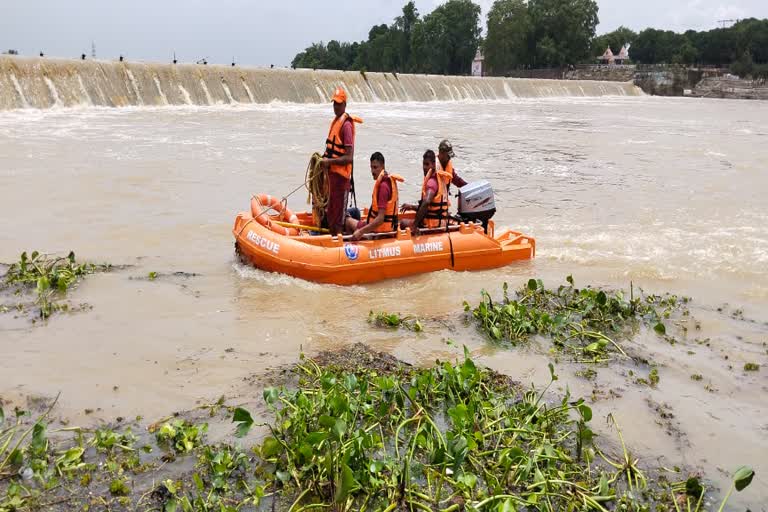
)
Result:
{"points": [[317, 187], [316, 182]]}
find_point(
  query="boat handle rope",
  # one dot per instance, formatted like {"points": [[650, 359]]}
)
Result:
{"points": [[311, 169]]}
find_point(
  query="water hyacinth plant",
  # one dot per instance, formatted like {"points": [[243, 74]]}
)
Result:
{"points": [[455, 437], [586, 323], [49, 277], [395, 320], [450, 438]]}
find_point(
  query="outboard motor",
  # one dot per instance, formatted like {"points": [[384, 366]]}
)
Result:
{"points": [[477, 203]]}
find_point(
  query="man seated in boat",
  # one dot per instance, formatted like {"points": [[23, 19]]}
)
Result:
{"points": [[432, 209], [382, 215]]}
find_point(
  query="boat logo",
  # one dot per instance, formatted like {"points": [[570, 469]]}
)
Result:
{"points": [[352, 251]]}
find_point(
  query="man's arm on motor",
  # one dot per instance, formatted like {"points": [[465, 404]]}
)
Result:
{"points": [[458, 180]]}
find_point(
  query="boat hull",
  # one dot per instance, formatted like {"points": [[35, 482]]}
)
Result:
{"points": [[327, 259]]}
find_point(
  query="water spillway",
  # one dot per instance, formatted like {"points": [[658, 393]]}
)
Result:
{"points": [[45, 83]]}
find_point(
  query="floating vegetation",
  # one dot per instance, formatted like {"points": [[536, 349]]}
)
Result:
{"points": [[453, 438], [586, 323], [395, 320], [50, 278], [181, 435]]}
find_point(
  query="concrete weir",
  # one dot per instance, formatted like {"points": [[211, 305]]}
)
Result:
{"points": [[45, 83]]}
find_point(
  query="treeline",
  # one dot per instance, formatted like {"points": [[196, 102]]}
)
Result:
{"points": [[531, 34], [442, 42], [743, 46]]}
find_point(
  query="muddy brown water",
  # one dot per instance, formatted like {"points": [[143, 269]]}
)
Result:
{"points": [[667, 193]]}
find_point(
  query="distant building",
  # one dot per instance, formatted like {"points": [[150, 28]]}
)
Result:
{"points": [[11, 52], [623, 56], [609, 59], [477, 64]]}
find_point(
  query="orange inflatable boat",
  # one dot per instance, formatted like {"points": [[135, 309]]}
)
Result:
{"points": [[273, 245]]}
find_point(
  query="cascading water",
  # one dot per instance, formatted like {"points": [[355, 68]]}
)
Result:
{"points": [[185, 95], [122, 83], [228, 92], [207, 93], [135, 87], [54, 92], [163, 97], [17, 86]]}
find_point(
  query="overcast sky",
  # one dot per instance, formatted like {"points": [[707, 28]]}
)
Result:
{"points": [[261, 33]]}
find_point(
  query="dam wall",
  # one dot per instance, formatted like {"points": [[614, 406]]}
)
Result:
{"points": [[45, 83]]}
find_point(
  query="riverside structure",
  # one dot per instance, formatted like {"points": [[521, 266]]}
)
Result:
{"points": [[45, 83]]}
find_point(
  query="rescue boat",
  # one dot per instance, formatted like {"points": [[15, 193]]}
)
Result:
{"points": [[277, 243]]}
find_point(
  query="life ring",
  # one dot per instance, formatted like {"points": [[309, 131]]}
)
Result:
{"points": [[262, 203]]}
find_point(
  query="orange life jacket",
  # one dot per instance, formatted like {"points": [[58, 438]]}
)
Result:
{"points": [[334, 147], [390, 209], [449, 170], [437, 210]]}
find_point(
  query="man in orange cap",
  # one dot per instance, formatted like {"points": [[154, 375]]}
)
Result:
{"points": [[338, 161]]}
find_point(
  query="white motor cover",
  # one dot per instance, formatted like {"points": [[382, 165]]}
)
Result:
{"points": [[476, 197]]}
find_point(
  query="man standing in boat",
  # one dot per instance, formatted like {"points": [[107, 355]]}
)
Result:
{"points": [[338, 161], [382, 215]]}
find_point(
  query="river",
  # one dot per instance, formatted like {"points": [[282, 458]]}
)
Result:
{"points": [[669, 194]]}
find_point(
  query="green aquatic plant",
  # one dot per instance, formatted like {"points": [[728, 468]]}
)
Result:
{"points": [[447, 438], [106, 439], [584, 322], [395, 320], [49, 277], [689, 495], [181, 435]]}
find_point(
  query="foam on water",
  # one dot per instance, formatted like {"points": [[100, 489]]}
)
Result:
{"points": [[271, 279]]}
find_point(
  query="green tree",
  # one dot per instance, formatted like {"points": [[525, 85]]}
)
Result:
{"points": [[405, 25], [507, 45], [563, 30], [686, 53], [743, 65], [446, 40], [657, 46]]}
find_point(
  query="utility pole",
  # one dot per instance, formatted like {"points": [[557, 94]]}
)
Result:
{"points": [[725, 22]]}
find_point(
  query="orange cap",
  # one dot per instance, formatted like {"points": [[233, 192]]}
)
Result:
{"points": [[339, 95]]}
